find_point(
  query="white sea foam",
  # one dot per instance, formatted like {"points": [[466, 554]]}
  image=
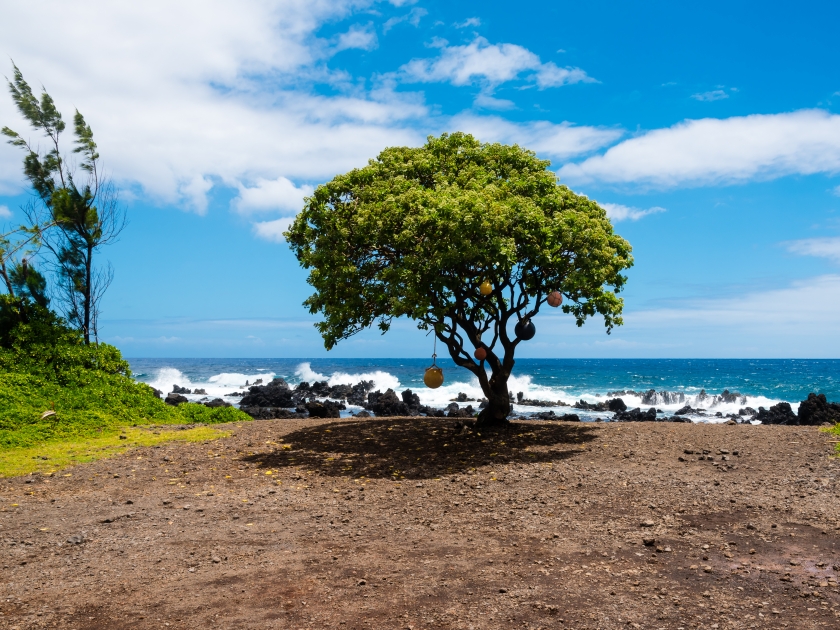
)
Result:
{"points": [[381, 380], [219, 385]]}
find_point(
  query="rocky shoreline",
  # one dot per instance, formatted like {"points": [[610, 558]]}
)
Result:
{"points": [[278, 399]]}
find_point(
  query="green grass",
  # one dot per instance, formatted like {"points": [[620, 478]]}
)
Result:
{"points": [[100, 403], [56, 456], [45, 366], [835, 430]]}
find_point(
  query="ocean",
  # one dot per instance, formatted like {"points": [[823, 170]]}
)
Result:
{"points": [[764, 382]]}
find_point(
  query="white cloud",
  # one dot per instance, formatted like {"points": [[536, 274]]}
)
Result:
{"points": [[212, 93], [437, 42], [720, 151], [836, 191], [271, 195], [550, 75], [473, 21], [358, 36], [774, 311], [5, 213], [273, 230], [413, 17], [828, 247], [557, 141], [481, 61], [222, 95], [617, 212], [713, 95], [485, 101], [194, 193]]}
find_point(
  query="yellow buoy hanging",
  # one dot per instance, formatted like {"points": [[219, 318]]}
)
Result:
{"points": [[486, 288], [433, 377]]}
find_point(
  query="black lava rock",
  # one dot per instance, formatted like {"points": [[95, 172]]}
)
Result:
{"points": [[271, 413], [176, 389], [175, 399], [217, 402], [636, 415], [815, 410], [277, 393], [326, 409], [777, 414], [616, 404]]}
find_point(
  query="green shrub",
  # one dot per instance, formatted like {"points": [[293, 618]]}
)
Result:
{"points": [[45, 366]]}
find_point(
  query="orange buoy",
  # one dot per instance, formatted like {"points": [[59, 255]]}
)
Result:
{"points": [[433, 378], [555, 299], [486, 288], [480, 353]]}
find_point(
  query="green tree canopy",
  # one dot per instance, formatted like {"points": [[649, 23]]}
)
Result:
{"points": [[415, 233]]}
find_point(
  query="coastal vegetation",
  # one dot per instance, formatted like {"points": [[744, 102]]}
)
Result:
{"points": [[54, 387], [468, 239], [58, 383]]}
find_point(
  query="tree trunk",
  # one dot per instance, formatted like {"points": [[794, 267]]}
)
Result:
{"points": [[498, 403], [88, 295]]}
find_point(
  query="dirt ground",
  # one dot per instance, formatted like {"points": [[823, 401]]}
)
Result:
{"points": [[406, 523]]}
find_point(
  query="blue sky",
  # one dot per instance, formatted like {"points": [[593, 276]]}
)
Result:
{"points": [[711, 134]]}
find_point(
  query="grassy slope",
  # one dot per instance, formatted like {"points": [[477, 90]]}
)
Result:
{"points": [[51, 457], [45, 366]]}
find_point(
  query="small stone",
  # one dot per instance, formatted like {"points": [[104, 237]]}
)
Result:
{"points": [[361, 582], [688, 451], [503, 590], [707, 569], [216, 559], [795, 563], [648, 542], [681, 459], [647, 524], [751, 526]]}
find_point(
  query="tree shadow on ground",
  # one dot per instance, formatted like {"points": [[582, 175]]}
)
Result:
{"points": [[420, 448]]}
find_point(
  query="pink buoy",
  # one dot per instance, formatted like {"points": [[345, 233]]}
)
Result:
{"points": [[555, 299]]}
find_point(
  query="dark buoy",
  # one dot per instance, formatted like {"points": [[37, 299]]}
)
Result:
{"points": [[525, 329]]}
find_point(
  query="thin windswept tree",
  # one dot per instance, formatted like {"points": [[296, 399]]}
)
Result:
{"points": [[75, 213]]}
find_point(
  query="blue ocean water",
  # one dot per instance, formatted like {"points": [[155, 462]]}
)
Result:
{"points": [[764, 382]]}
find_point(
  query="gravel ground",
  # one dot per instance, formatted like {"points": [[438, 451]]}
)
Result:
{"points": [[408, 523]]}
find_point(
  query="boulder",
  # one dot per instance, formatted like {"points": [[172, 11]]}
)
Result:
{"points": [[815, 410], [277, 393], [271, 413], [217, 402], [177, 389], [454, 411], [777, 414], [616, 404], [636, 415], [200, 392], [411, 399], [175, 399], [326, 409], [652, 397], [386, 404]]}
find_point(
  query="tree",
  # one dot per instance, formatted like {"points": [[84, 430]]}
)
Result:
{"points": [[417, 231], [73, 220]]}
